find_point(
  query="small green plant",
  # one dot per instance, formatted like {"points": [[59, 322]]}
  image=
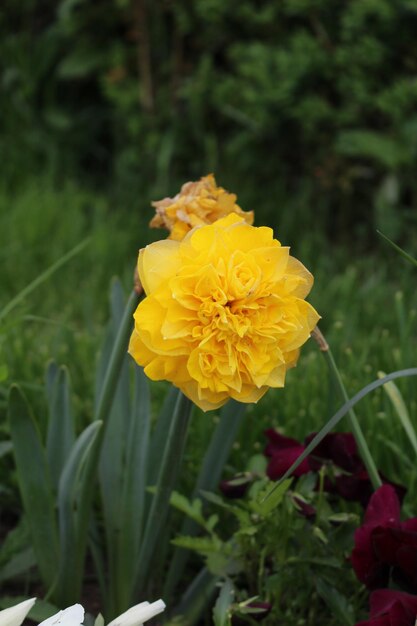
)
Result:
{"points": [[260, 550]]}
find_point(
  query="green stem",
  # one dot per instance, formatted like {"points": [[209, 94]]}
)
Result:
{"points": [[42, 278], [354, 424], [116, 359]]}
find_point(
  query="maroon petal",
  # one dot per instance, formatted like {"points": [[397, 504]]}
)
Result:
{"points": [[383, 508], [281, 461], [369, 570], [406, 558], [401, 606], [340, 448], [278, 442], [385, 543], [354, 487]]}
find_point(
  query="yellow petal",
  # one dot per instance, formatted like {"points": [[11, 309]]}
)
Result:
{"points": [[158, 262]]}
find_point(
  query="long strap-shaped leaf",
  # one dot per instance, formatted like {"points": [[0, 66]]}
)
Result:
{"points": [[35, 484], [171, 458], [412, 371], [74, 515], [132, 506], [217, 453], [61, 432], [112, 460]]}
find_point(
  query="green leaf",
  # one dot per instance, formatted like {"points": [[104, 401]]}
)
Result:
{"points": [[191, 509], [221, 610], [336, 602], [60, 435], [270, 498], [35, 484], [224, 436], [398, 403], [132, 505], [18, 564], [231, 417], [240, 513], [159, 434], [201, 545], [75, 491], [170, 461], [112, 464]]}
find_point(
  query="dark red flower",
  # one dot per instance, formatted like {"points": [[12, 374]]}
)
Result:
{"points": [[340, 448], [358, 487], [384, 543], [391, 608], [283, 452]]}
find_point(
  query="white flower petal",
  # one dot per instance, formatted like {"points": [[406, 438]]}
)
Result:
{"points": [[138, 614], [14, 615], [72, 616]]}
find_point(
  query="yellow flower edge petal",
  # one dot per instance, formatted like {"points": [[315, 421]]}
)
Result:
{"points": [[225, 315]]}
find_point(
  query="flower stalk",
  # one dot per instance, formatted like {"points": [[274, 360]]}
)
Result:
{"points": [[354, 424]]}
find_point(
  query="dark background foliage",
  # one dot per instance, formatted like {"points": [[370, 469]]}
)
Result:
{"points": [[306, 107]]}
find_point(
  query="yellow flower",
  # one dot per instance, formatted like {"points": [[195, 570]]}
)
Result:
{"points": [[198, 203], [224, 315]]}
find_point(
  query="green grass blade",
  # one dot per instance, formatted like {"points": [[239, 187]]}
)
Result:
{"points": [[75, 489], [412, 371], [61, 431], [398, 403], [35, 484], [398, 249], [42, 278], [170, 461]]}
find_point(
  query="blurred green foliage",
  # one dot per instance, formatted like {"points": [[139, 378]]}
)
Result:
{"points": [[312, 101]]}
